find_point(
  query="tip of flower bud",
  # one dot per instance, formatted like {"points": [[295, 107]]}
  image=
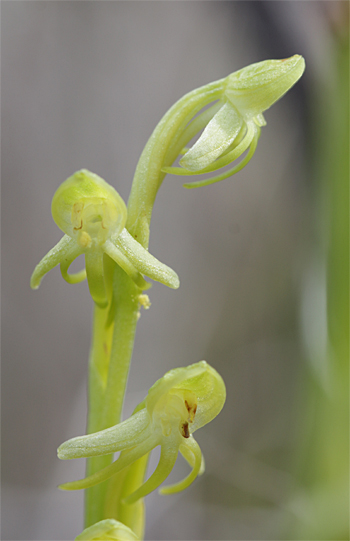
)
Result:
{"points": [[255, 88]]}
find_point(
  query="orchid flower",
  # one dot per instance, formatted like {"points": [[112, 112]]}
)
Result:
{"points": [[235, 121], [107, 530], [179, 403], [92, 215]]}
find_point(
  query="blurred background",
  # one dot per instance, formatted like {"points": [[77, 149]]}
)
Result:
{"points": [[262, 259]]}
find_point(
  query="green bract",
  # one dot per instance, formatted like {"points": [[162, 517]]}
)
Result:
{"points": [[177, 405], [93, 215], [233, 125], [107, 530]]}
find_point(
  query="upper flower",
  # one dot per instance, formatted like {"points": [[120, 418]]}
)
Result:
{"points": [[177, 405], [232, 126], [92, 215]]}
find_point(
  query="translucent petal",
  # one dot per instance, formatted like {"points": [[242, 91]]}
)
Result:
{"points": [[84, 188], [193, 446], [64, 249], [199, 378], [172, 379], [218, 135], [230, 172], [226, 159], [194, 127], [209, 388]]}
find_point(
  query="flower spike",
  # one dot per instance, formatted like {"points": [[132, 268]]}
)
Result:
{"points": [[178, 404], [93, 216], [235, 127]]}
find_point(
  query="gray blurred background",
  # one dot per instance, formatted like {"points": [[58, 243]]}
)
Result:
{"points": [[83, 85]]}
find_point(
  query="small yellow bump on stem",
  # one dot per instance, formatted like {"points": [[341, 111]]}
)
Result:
{"points": [[144, 301]]}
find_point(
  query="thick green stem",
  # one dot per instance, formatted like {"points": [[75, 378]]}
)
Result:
{"points": [[126, 317], [107, 395]]}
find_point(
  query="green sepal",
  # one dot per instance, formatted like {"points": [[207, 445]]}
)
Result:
{"points": [[64, 250], [117, 438], [146, 263]]}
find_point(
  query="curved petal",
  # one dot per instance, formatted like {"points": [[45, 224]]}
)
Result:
{"points": [[210, 391], [144, 262], [63, 250], [168, 456], [190, 458], [126, 458], [173, 378], [193, 128], [218, 135], [64, 266], [80, 189], [125, 435], [226, 159], [230, 172], [193, 446]]}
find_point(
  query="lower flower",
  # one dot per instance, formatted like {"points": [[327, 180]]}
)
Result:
{"points": [[179, 403]]}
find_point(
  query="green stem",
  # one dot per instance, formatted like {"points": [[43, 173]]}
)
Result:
{"points": [[106, 400], [98, 371], [126, 317], [148, 175]]}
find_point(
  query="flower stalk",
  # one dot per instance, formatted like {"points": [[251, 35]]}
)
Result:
{"points": [[226, 116]]}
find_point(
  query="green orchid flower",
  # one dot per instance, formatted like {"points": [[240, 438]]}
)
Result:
{"points": [[107, 530], [93, 216], [178, 404], [233, 125]]}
